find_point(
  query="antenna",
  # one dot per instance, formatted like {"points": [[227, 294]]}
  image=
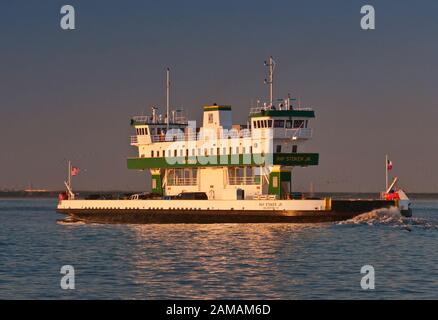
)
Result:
{"points": [[167, 97], [270, 80]]}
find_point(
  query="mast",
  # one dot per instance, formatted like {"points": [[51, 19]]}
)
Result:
{"points": [[69, 174], [69, 181], [271, 65], [386, 172], [167, 97]]}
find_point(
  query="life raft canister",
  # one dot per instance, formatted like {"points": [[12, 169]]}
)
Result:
{"points": [[392, 196]]}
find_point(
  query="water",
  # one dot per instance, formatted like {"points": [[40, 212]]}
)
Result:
{"points": [[217, 261]]}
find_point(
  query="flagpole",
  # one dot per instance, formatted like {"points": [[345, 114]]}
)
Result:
{"points": [[386, 173], [69, 174], [167, 97]]}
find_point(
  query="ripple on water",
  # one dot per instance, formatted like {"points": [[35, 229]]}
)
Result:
{"points": [[249, 261]]}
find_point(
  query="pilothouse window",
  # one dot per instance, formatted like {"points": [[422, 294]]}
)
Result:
{"points": [[298, 123], [278, 123]]}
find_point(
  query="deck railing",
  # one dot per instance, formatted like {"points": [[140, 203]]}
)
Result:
{"points": [[159, 120], [257, 110], [182, 181], [293, 133], [242, 180], [298, 133]]}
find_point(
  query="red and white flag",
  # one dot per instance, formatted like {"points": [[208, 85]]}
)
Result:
{"points": [[389, 165], [74, 171]]}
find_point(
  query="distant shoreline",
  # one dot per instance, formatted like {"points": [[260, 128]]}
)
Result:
{"points": [[54, 194]]}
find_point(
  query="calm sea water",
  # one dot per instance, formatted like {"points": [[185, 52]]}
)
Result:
{"points": [[248, 261]]}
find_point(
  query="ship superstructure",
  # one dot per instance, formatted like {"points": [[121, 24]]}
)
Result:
{"points": [[225, 160]]}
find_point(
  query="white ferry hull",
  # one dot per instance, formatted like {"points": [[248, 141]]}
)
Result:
{"points": [[218, 211]]}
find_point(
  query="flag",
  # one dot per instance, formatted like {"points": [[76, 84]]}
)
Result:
{"points": [[389, 165], [74, 171]]}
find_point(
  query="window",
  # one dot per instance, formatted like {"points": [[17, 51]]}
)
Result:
{"points": [[258, 124], [145, 131], [187, 152], [278, 123], [288, 124], [152, 153], [237, 150], [210, 118], [163, 154], [278, 148], [265, 123], [169, 153], [298, 123], [294, 149], [193, 152], [254, 124], [307, 123], [243, 150], [225, 151], [269, 123], [218, 150], [180, 152], [175, 153]]}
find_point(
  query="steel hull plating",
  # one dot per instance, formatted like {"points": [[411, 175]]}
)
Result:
{"points": [[341, 210]]}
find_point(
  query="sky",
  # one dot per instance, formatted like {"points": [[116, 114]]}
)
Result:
{"points": [[71, 94]]}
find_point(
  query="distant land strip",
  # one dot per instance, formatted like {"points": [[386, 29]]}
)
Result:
{"points": [[115, 194]]}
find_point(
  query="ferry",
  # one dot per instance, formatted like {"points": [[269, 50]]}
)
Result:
{"points": [[221, 172]]}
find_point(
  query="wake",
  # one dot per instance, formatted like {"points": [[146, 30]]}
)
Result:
{"points": [[378, 216], [69, 221], [390, 217]]}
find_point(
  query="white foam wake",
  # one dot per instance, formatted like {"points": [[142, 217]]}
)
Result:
{"points": [[379, 216], [69, 221]]}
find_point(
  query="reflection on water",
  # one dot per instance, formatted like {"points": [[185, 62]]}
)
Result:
{"points": [[190, 255], [249, 261]]}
